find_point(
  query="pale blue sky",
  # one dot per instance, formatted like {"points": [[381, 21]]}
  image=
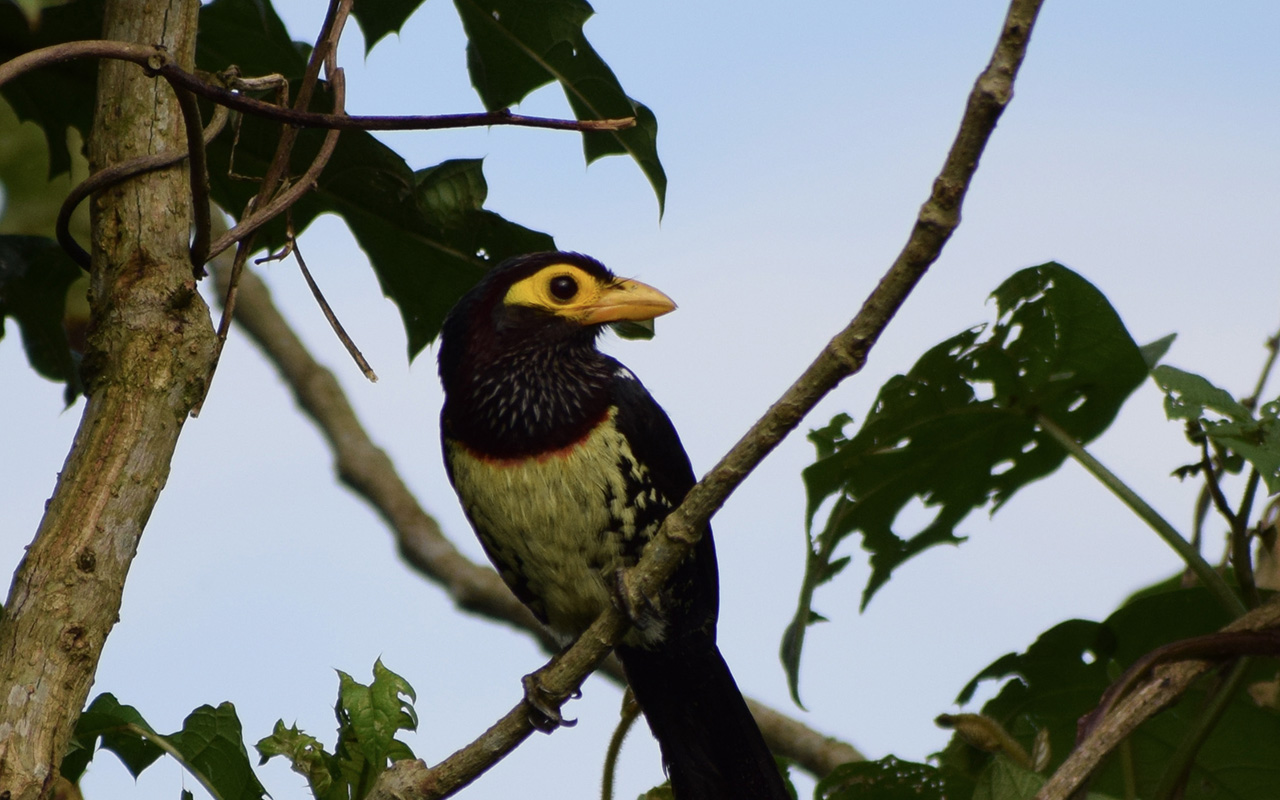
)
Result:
{"points": [[1142, 149]]}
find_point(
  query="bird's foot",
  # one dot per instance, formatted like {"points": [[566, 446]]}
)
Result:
{"points": [[544, 705]]}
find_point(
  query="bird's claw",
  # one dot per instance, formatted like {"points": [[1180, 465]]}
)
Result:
{"points": [[544, 705]]}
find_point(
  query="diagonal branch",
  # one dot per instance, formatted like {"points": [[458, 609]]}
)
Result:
{"points": [[843, 356], [366, 469]]}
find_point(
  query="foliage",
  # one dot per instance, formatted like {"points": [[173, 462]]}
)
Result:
{"points": [[425, 231], [964, 428], [210, 745], [959, 431]]}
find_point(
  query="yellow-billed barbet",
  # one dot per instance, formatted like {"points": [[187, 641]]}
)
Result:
{"points": [[566, 466]]}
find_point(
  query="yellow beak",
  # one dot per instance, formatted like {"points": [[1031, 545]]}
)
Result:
{"points": [[626, 301]]}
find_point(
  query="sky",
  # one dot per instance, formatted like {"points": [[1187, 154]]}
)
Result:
{"points": [[800, 139]]}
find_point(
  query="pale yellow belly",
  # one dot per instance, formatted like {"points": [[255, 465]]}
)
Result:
{"points": [[556, 526]]}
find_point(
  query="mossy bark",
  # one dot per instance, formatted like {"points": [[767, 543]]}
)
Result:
{"points": [[150, 349]]}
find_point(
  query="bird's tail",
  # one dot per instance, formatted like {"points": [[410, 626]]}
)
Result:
{"points": [[710, 743]]}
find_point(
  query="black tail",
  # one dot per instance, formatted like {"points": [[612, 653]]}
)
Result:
{"points": [[710, 743]]}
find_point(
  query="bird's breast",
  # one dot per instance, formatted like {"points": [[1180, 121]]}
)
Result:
{"points": [[559, 525]]}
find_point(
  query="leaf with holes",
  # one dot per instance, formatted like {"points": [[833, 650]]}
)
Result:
{"points": [[958, 431], [1226, 421], [516, 46]]}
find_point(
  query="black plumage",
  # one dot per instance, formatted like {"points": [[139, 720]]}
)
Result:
{"points": [[566, 466]]}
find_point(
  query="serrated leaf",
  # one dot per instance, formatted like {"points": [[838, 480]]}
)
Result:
{"points": [[378, 19], [426, 233], [305, 753], [516, 46], [1063, 673], [35, 275], [368, 719], [958, 431], [212, 744]]}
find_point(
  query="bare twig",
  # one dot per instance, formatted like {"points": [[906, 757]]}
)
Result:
{"points": [[338, 330], [156, 60], [843, 356], [324, 53]]}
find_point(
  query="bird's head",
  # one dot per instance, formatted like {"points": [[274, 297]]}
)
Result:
{"points": [[537, 301]]}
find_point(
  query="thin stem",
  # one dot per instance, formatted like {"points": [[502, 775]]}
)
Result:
{"points": [[157, 61], [630, 712], [333, 318], [1241, 541], [1178, 768], [199, 168], [1207, 575]]}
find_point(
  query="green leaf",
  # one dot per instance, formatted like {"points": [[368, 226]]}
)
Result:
{"points": [[889, 778], [1188, 396], [426, 233], [377, 711], [958, 431], [1062, 675], [57, 96], [305, 753], [118, 727], [377, 19], [212, 744], [1231, 426], [35, 275], [1005, 780], [516, 46], [1152, 352]]}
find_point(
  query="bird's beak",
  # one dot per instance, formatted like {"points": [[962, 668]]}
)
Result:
{"points": [[627, 301]]}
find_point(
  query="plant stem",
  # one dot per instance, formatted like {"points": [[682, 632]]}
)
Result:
{"points": [[1211, 579], [1183, 758]]}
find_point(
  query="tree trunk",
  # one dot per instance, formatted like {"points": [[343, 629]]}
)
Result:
{"points": [[150, 348]]}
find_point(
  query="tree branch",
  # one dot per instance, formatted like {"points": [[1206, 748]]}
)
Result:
{"points": [[150, 344], [843, 356], [1164, 685], [370, 473]]}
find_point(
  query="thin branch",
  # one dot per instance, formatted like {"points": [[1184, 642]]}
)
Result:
{"points": [[199, 180], [324, 52], [843, 356], [156, 60], [338, 330], [1165, 685]]}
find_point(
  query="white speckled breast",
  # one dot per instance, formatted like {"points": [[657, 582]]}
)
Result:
{"points": [[557, 527]]}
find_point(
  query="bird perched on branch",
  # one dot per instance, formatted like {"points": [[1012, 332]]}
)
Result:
{"points": [[566, 466]]}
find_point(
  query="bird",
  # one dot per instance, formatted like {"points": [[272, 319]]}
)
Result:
{"points": [[565, 466]]}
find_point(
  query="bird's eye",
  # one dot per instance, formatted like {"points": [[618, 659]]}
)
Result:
{"points": [[563, 288]]}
